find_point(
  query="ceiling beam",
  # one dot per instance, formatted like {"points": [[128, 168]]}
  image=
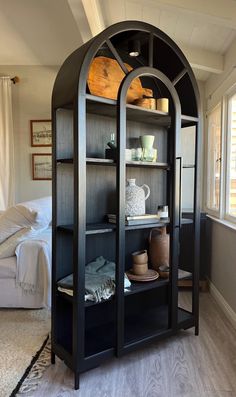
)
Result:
{"points": [[204, 60], [78, 12], [88, 17], [94, 16]]}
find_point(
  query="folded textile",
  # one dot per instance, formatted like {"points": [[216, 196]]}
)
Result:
{"points": [[99, 280], [34, 265]]}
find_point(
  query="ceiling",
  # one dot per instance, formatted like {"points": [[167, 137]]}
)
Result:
{"points": [[45, 32]]}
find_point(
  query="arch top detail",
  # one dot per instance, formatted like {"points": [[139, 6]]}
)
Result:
{"points": [[156, 49]]}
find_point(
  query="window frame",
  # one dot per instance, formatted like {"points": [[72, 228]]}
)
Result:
{"points": [[211, 211], [226, 215], [223, 213]]}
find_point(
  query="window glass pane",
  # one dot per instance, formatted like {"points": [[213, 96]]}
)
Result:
{"points": [[231, 194], [214, 159], [187, 189]]}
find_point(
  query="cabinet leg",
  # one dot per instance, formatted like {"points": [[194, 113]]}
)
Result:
{"points": [[196, 330], [53, 358], [76, 380]]}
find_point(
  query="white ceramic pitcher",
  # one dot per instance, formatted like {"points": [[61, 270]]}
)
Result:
{"points": [[135, 198]]}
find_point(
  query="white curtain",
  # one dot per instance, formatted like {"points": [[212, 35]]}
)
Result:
{"points": [[7, 173]]}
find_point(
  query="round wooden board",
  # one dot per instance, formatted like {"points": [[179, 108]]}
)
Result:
{"points": [[151, 275], [105, 76]]}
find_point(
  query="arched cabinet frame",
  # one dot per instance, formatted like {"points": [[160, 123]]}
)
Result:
{"points": [[69, 93], [121, 177]]}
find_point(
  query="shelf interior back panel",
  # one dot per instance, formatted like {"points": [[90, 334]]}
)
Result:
{"points": [[100, 128], [98, 245], [65, 194], [64, 140], [101, 180], [146, 313], [156, 180], [136, 129]]}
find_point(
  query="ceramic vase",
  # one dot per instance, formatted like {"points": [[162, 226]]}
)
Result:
{"points": [[147, 146], [135, 198]]}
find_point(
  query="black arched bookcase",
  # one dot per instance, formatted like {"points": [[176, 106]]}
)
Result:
{"points": [[87, 186]]}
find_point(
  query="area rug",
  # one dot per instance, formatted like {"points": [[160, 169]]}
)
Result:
{"points": [[23, 336], [31, 379]]}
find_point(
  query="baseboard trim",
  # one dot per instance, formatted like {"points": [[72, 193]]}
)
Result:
{"points": [[225, 307]]}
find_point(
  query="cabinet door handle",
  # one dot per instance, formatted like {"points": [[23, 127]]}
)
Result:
{"points": [[180, 190]]}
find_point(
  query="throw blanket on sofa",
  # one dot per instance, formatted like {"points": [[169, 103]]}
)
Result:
{"points": [[34, 265]]}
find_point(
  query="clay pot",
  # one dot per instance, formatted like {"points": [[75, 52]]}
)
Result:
{"points": [[140, 269], [140, 257], [164, 271], [159, 242]]}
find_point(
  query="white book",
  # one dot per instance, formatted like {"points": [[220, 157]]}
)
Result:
{"points": [[135, 217]]}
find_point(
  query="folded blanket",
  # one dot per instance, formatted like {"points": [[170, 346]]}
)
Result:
{"points": [[99, 280], [34, 265]]}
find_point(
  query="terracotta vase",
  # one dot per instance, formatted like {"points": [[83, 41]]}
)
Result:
{"points": [[159, 242]]}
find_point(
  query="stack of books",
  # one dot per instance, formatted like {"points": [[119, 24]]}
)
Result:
{"points": [[136, 219]]}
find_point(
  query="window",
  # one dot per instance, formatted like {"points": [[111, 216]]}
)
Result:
{"points": [[231, 158], [221, 159], [214, 159]]}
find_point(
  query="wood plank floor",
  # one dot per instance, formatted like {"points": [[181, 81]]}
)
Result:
{"points": [[182, 366]]}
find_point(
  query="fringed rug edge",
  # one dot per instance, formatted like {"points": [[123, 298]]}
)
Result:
{"points": [[27, 371]]}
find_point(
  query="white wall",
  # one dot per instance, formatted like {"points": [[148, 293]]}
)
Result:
{"points": [[218, 84], [31, 101]]}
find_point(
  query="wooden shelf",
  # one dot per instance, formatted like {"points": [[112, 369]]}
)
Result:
{"points": [[151, 322], [149, 164], [98, 100], [188, 121], [186, 221], [148, 225], [137, 287], [65, 161], [99, 161], [109, 162], [147, 116], [94, 228], [188, 166], [107, 107], [106, 227]]}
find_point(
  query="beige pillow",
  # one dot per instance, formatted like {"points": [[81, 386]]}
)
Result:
{"points": [[35, 213]]}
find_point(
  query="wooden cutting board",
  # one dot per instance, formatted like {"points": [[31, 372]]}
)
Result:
{"points": [[105, 76]]}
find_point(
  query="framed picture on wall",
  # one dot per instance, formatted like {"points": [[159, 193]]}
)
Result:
{"points": [[41, 132], [42, 166]]}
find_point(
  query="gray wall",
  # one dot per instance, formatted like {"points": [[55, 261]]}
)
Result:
{"points": [[222, 255]]}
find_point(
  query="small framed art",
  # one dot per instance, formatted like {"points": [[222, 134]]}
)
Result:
{"points": [[42, 166], [41, 132]]}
